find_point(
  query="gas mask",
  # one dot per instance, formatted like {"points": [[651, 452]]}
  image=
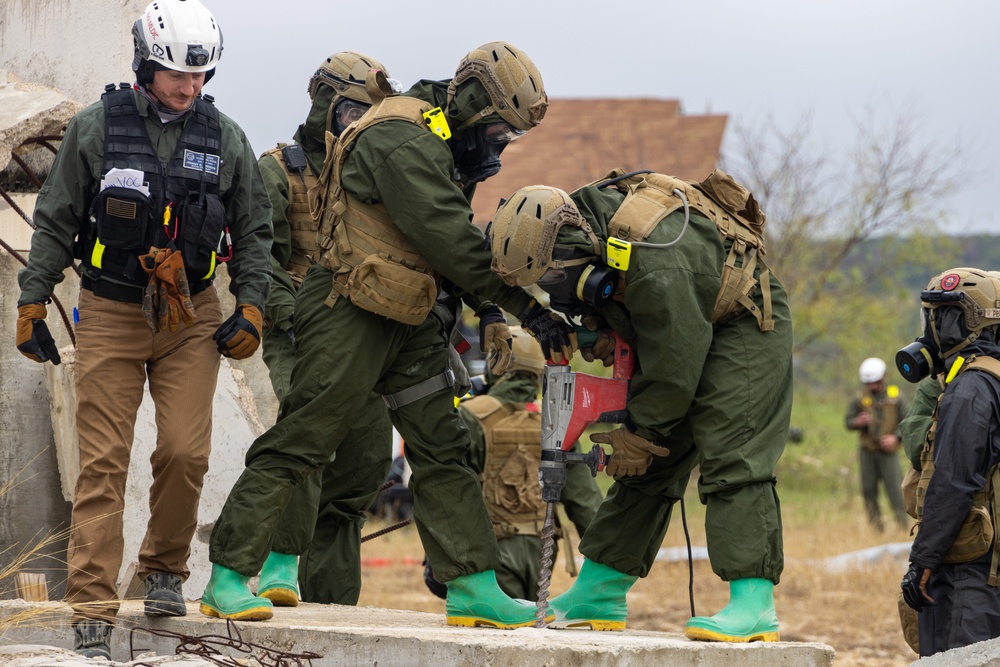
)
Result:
{"points": [[944, 334], [579, 281], [477, 149], [345, 112]]}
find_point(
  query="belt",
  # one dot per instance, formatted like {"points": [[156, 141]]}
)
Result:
{"points": [[126, 293]]}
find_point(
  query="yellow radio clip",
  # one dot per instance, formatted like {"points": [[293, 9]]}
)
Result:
{"points": [[619, 254], [438, 123]]}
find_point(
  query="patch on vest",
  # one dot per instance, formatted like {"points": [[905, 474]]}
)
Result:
{"points": [[201, 162]]}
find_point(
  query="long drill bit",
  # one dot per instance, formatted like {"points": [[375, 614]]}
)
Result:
{"points": [[545, 572]]}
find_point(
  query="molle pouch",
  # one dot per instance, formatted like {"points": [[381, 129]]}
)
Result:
{"points": [[392, 290], [200, 227], [975, 537], [122, 216]]}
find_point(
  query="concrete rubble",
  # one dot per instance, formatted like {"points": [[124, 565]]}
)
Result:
{"points": [[28, 110]]}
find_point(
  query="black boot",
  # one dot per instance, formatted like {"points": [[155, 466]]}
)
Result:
{"points": [[92, 638], [163, 595]]}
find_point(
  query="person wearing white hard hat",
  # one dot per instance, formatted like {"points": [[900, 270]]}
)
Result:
{"points": [[152, 188], [875, 414]]}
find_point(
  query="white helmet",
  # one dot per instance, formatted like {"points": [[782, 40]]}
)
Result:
{"points": [[872, 370], [180, 35]]}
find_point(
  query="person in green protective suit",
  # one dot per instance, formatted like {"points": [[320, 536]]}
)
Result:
{"points": [[396, 181], [712, 387], [506, 431], [875, 414], [321, 564]]}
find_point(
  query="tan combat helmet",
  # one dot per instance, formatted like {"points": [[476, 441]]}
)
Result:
{"points": [[510, 77], [345, 72], [524, 229], [975, 291], [525, 356]]}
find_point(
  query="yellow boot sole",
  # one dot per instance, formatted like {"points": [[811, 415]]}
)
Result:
{"points": [[281, 597], [252, 614], [701, 634], [474, 622], [600, 626]]}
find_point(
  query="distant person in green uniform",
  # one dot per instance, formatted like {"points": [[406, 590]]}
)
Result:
{"points": [[875, 414]]}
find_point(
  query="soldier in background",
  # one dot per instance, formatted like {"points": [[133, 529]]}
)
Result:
{"points": [[319, 561], [875, 414]]}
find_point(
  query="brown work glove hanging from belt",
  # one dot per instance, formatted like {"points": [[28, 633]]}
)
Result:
{"points": [[631, 454], [167, 298]]}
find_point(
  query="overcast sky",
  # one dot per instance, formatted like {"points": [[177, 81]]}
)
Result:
{"points": [[936, 62]]}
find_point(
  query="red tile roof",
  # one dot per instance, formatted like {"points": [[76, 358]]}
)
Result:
{"points": [[581, 140]]}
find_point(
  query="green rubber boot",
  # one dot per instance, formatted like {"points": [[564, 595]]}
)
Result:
{"points": [[279, 580], [749, 616], [476, 599], [596, 599], [228, 596]]}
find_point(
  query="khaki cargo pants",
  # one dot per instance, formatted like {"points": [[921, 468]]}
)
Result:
{"points": [[116, 352]]}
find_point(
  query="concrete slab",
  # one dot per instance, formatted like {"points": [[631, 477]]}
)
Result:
{"points": [[981, 654], [29, 110], [388, 637]]}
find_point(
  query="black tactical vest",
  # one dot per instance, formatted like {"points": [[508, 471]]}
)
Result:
{"points": [[125, 223]]}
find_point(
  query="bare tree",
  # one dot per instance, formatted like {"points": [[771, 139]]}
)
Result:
{"points": [[823, 207]]}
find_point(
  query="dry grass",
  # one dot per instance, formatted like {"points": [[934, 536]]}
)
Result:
{"points": [[853, 611]]}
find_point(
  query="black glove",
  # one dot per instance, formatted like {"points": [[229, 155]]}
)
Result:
{"points": [[494, 339], [239, 336], [557, 338], [32, 335], [914, 587]]}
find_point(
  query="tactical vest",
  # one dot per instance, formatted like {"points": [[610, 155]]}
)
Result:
{"points": [[305, 248], [979, 531], [125, 223], [649, 198], [511, 489], [884, 412], [373, 264]]}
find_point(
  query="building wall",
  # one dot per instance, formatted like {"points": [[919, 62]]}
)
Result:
{"points": [[74, 46]]}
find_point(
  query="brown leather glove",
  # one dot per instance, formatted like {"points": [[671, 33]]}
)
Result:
{"points": [[32, 335], [239, 336], [604, 347], [495, 339], [167, 298], [631, 455]]}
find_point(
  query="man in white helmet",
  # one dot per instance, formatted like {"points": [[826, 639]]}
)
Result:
{"points": [[151, 189], [875, 414]]}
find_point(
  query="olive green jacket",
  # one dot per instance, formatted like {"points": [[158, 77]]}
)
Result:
{"points": [[917, 422], [581, 495], [666, 316], [65, 198], [410, 170]]}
